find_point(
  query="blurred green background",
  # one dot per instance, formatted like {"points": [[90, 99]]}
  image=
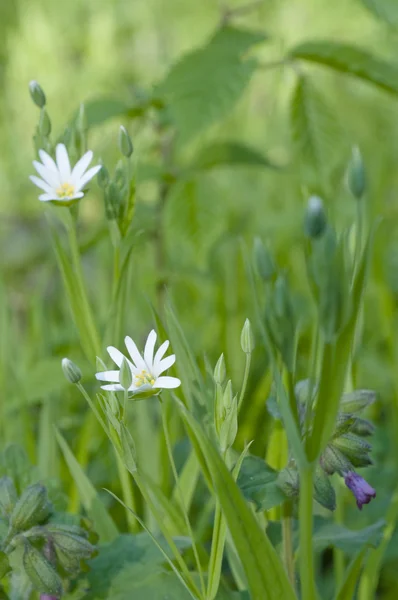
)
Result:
{"points": [[84, 52]]}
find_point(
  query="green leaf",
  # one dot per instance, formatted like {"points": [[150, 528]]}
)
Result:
{"points": [[226, 154], [100, 110], [103, 523], [265, 574], [385, 10], [348, 587], [314, 133], [205, 84], [351, 60], [258, 483], [4, 565], [328, 534]]}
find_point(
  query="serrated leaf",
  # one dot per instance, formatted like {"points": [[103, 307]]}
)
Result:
{"points": [[386, 10], [351, 60], [205, 84], [226, 154], [314, 134], [258, 483]]}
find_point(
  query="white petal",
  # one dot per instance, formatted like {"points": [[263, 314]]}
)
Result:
{"points": [[149, 349], [115, 355], [47, 197], [112, 387], [48, 161], [164, 364], [134, 353], [108, 376], [167, 383], [41, 184], [78, 195], [63, 162], [160, 353], [81, 166], [47, 174], [87, 176]]}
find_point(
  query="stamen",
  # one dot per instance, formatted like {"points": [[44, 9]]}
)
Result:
{"points": [[66, 190], [144, 378]]}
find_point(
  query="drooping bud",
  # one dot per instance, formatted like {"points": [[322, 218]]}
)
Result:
{"points": [[37, 94], [125, 376], [334, 461], [44, 123], [264, 261], [125, 143], [354, 448], [356, 179], [247, 338], [357, 401], [323, 490], [315, 221], [363, 427], [41, 573], [220, 371], [362, 491], [8, 496], [71, 371], [70, 543], [31, 508]]}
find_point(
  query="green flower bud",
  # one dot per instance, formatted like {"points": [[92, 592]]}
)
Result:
{"points": [[128, 451], [8, 496], [334, 461], [323, 490], [71, 371], [344, 423], [229, 427], [247, 338], [220, 371], [264, 261], [68, 561], [357, 401], [44, 123], [125, 376], [37, 94], [315, 221], [125, 144], [354, 448], [70, 543], [227, 396], [363, 427], [41, 573], [31, 508], [356, 179]]}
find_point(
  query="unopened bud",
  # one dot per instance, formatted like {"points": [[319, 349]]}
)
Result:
{"points": [[334, 461], [220, 371], [37, 94], [125, 375], [357, 401], [125, 144], [315, 221], [247, 338], [264, 261], [363, 427], [44, 123], [229, 427], [356, 180], [8, 496], [69, 542], [227, 396], [41, 573], [32, 508], [323, 490], [354, 448], [71, 371]]}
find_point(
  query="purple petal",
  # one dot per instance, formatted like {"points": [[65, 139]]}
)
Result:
{"points": [[362, 491]]}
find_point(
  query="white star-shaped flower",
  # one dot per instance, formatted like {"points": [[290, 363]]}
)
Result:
{"points": [[145, 370], [59, 182]]}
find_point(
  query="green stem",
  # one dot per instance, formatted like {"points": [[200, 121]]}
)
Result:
{"points": [[245, 379], [287, 537], [128, 494], [338, 555], [217, 552], [307, 574]]}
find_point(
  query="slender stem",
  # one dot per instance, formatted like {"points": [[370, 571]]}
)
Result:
{"points": [[287, 536], [128, 494], [182, 504], [338, 555], [245, 379], [307, 574]]}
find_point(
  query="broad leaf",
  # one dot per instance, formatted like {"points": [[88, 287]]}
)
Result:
{"points": [[386, 10], [327, 534], [258, 483], [226, 154], [351, 60], [205, 84]]}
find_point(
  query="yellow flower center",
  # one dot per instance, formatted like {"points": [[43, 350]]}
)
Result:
{"points": [[66, 190], [144, 378]]}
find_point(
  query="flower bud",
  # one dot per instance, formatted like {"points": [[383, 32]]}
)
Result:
{"points": [[8, 496], [31, 508], [37, 94], [334, 461], [315, 221], [354, 448], [125, 375], [264, 261], [125, 144], [362, 427], [247, 338], [362, 491], [71, 371], [357, 401], [356, 180], [69, 542], [220, 371], [44, 123], [229, 427], [323, 490], [41, 573]]}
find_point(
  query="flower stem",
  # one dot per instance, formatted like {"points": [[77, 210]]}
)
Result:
{"points": [[128, 495], [245, 379], [307, 574], [338, 555], [287, 536]]}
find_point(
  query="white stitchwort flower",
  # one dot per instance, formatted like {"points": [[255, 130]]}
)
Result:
{"points": [[59, 182], [146, 370]]}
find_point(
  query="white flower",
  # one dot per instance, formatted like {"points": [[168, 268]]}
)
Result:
{"points": [[58, 180], [145, 370]]}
